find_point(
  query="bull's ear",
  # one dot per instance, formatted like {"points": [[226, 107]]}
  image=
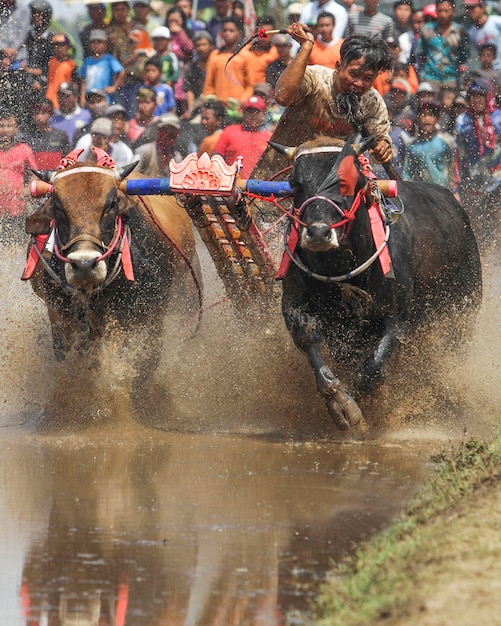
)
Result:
{"points": [[39, 222], [45, 175], [125, 170]]}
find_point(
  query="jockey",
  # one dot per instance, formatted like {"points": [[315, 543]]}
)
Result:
{"points": [[336, 103]]}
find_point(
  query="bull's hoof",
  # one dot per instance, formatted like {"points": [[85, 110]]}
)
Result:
{"points": [[344, 410]]}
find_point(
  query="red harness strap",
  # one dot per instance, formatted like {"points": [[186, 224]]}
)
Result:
{"points": [[32, 259]]}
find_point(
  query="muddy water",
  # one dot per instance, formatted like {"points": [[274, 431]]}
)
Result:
{"points": [[234, 511]]}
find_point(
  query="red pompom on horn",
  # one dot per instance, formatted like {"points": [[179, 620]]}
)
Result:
{"points": [[103, 158], [70, 159]]}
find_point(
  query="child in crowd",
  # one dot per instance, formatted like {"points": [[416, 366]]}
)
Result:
{"points": [[430, 156], [49, 144], [165, 93], [170, 64], [101, 70], [62, 68], [142, 125], [487, 54], [16, 162]]}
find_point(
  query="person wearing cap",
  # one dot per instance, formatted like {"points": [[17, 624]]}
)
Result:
{"points": [[227, 82], [118, 115], [97, 15], [102, 70], [311, 10], [424, 93], [430, 155], [70, 117], [96, 103], [101, 135], [337, 103], [62, 68], [484, 28], [326, 49], [283, 45], [155, 156], [195, 71], [248, 139], [171, 68], [478, 133], [443, 49], [49, 144]]}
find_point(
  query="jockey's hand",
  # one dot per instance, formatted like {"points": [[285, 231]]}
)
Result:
{"points": [[382, 152], [300, 33]]}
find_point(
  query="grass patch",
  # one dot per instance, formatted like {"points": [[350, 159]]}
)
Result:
{"points": [[379, 581]]}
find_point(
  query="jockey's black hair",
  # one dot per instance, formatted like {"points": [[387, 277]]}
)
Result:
{"points": [[374, 51]]}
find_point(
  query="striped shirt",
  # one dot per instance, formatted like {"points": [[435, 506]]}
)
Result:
{"points": [[379, 26]]}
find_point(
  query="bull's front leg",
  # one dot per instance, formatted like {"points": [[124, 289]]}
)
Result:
{"points": [[373, 371], [341, 406], [303, 329]]}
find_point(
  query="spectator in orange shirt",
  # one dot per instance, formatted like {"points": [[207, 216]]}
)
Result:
{"points": [[260, 53], [228, 82], [62, 68], [326, 47]]}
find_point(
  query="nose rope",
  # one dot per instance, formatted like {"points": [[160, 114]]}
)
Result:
{"points": [[86, 237]]}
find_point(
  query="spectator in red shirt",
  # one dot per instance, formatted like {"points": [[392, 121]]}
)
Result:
{"points": [[247, 139], [16, 161]]}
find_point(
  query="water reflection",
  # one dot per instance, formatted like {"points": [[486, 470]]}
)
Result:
{"points": [[178, 529]]}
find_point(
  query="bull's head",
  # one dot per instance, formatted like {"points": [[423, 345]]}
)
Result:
{"points": [[326, 179], [85, 209]]}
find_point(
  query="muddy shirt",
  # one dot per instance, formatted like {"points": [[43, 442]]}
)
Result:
{"points": [[315, 113]]}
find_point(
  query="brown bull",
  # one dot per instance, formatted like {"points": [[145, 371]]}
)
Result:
{"points": [[111, 261]]}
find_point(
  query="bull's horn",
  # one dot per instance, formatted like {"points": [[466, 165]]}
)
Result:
{"points": [[125, 170], [287, 150], [45, 175], [360, 148]]}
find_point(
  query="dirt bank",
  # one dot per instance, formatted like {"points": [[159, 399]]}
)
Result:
{"points": [[440, 564]]}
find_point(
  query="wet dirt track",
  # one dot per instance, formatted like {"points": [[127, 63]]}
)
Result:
{"points": [[233, 521]]}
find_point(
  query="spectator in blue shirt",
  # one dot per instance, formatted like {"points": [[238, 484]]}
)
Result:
{"points": [[430, 155], [164, 92], [102, 70]]}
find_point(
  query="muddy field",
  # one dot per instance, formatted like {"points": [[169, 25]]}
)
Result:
{"points": [[236, 507]]}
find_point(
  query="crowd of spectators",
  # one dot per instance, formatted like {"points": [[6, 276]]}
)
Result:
{"points": [[156, 82]]}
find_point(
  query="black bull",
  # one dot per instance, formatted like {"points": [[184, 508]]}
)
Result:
{"points": [[90, 282], [434, 258]]}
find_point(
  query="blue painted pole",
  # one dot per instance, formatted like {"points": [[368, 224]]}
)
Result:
{"points": [[158, 186]]}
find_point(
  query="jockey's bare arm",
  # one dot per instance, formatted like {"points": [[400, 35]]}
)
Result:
{"points": [[288, 84]]}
